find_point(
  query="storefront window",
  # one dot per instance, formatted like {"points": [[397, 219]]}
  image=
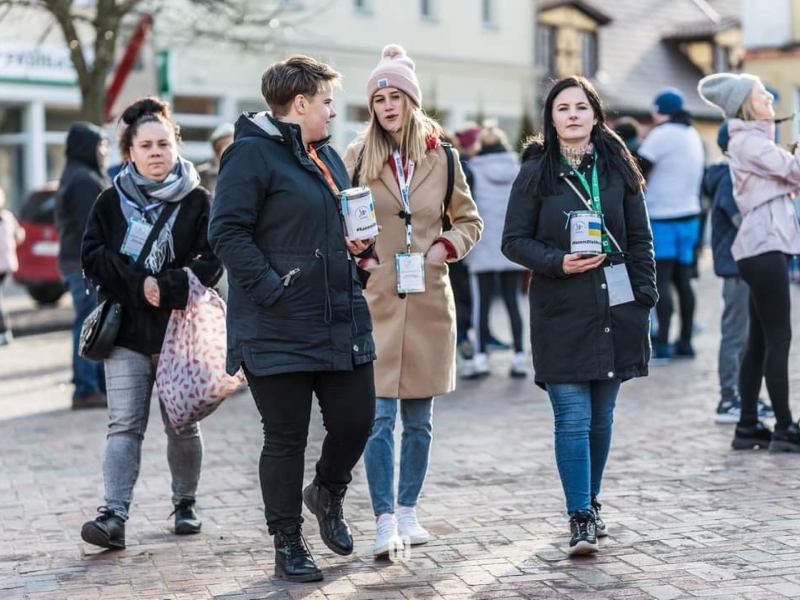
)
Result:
{"points": [[10, 119], [60, 119], [56, 160], [195, 105], [11, 174]]}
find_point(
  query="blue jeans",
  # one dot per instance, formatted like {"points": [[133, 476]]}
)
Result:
{"points": [[89, 377], [584, 413], [130, 385], [417, 417]]}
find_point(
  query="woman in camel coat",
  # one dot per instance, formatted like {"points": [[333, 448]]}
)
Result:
{"points": [[415, 333]]}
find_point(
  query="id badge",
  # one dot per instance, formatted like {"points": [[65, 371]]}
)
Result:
{"points": [[619, 285], [410, 273], [135, 238]]}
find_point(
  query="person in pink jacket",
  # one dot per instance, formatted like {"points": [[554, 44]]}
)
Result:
{"points": [[11, 234], [765, 178]]}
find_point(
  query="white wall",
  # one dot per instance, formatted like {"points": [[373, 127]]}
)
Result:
{"points": [[766, 23]]}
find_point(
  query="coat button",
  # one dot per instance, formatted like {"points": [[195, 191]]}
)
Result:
{"points": [[611, 374], [603, 286], [607, 330], [355, 348]]}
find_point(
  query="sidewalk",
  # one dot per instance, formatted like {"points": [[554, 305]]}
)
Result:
{"points": [[688, 517]]}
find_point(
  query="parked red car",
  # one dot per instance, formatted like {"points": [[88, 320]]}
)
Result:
{"points": [[38, 254]]}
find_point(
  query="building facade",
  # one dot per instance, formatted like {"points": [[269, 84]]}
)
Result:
{"points": [[772, 44]]}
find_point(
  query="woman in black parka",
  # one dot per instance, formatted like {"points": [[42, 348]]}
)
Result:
{"points": [[583, 348], [154, 181]]}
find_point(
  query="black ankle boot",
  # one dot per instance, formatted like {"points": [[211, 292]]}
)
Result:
{"points": [[186, 520], [106, 531], [786, 440], [583, 527], [751, 436], [600, 525], [328, 508], [293, 560]]}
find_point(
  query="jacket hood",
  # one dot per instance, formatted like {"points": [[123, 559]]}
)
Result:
{"points": [[533, 151], [761, 128], [264, 125], [714, 173], [497, 167], [82, 141]]}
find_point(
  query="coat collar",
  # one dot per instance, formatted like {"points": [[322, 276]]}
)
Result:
{"points": [[421, 172]]}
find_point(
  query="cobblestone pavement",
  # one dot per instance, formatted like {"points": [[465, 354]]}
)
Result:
{"points": [[688, 517]]}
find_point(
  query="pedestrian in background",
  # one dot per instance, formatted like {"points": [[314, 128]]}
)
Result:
{"points": [[297, 318], [81, 183], [155, 195], [584, 344], [725, 222], [400, 157], [494, 170], [630, 130], [672, 158], [468, 145], [765, 179], [220, 139], [11, 234]]}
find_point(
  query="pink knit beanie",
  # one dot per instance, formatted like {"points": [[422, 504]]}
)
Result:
{"points": [[395, 70]]}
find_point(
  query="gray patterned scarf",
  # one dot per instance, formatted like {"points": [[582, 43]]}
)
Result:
{"points": [[137, 193]]}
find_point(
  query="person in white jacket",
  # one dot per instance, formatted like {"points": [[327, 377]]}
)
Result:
{"points": [[11, 234], [765, 179], [494, 170]]}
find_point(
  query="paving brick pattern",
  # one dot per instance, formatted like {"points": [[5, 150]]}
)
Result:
{"points": [[688, 517]]}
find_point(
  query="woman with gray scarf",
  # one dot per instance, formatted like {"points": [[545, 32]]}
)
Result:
{"points": [[155, 188]]}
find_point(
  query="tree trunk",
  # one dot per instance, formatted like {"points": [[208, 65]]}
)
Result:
{"points": [[93, 95]]}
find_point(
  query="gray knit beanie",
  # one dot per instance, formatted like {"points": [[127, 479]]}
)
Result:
{"points": [[726, 91]]}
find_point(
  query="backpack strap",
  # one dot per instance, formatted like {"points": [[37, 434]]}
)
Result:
{"points": [[451, 175], [357, 169]]}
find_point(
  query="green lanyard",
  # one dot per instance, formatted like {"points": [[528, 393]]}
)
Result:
{"points": [[594, 197]]}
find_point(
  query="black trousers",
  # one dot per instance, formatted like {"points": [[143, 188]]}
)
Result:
{"points": [[459, 280], [770, 338], [483, 285], [669, 272], [3, 324], [347, 402]]}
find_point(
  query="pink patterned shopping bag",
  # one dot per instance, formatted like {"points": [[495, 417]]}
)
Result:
{"points": [[191, 376]]}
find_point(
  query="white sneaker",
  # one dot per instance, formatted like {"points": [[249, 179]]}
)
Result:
{"points": [[479, 366], [387, 538], [519, 365], [409, 526]]}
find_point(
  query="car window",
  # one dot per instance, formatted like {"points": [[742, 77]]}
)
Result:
{"points": [[39, 207]]}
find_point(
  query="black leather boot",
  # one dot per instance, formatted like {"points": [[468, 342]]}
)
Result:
{"points": [[293, 560], [328, 508], [751, 437], [186, 520], [786, 440], [106, 531]]}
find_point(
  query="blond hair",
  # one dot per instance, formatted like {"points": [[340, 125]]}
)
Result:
{"points": [[417, 128], [492, 135], [746, 111]]}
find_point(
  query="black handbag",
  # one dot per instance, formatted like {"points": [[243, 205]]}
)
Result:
{"points": [[100, 328]]}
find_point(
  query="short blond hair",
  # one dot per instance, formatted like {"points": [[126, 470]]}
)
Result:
{"points": [[492, 135]]}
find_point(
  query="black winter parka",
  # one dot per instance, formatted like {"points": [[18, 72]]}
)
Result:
{"points": [[575, 334], [122, 280], [274, 212]]}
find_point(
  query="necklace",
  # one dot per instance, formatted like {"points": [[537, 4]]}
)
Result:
{"points": [[575, 156]]}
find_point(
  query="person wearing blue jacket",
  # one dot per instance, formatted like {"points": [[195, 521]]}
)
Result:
{"points": [[725, 221]]}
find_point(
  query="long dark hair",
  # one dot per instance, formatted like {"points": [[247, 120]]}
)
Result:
{"points": [[545, 146]]}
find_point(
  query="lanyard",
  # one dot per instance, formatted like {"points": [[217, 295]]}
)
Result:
{"points": [[404, 183], [142, 209], [324, 168], [594, 196]]}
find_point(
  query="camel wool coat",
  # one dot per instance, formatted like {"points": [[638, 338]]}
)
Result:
{"points": [[415, 336]]}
